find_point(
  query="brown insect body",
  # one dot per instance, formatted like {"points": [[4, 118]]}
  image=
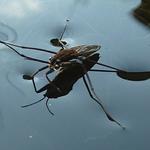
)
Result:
{"points": [[68, 76], [65, 55]]}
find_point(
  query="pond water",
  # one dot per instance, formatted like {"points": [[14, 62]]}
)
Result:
{"points": [[78, 123]]}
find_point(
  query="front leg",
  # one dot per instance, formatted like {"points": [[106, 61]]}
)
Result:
{"points": [[22, 55], [50, 82]]}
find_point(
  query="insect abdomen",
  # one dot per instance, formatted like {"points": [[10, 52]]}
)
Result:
{"points": [[69, 76]]}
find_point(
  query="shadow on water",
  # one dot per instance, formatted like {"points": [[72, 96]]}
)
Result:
{"points": [[142, 12]]}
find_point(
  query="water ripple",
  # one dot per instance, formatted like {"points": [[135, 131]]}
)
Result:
{"points": [[7, 33]]}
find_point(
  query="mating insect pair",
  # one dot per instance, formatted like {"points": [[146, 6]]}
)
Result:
{"points": [[72, 64]]}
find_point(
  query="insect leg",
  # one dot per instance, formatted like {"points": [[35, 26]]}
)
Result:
{"points": [[45, 87], [33, 103], [47, 73], [34, 85], [104, 65], [97, 100], [26, 57], [38, 102], [64, 30], [58, 41], [101, 64], [100, 70], [48, 107], [25, 47], [39, 70], [28, 77], [37, 91], [50, 82], [61, 42]]}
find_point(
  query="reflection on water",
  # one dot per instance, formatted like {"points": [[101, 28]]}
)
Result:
{"points": [[3, 36], [142, 13], [7, 33]]}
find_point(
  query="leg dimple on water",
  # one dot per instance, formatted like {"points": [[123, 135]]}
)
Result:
{"points": [[7, 33]]}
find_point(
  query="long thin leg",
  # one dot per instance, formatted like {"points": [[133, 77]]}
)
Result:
{"points": [[45, 87], [101, 64], [64, 30], [92, 89], [28, 77], [58, 41], [61, 42], [97, 101], [25, 47], [104, 65], [50, 82], [37, 91], [38, 102], [34, 85], [101, 70], [33, 103], [47, 73], [26, 57], [48, 107], [39, 70]]}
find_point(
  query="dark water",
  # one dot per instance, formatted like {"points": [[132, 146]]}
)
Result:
{"points": [[78, 123]]}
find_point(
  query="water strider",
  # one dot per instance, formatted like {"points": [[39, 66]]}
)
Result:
{"points": [[72, 64]]}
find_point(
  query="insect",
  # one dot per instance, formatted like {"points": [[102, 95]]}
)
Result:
{"points": [[65, 80], [70, 70], [72, 64]]}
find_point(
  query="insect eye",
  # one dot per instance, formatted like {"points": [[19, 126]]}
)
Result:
{"points": [[57, 66], [50, 59], [58, 61]]}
